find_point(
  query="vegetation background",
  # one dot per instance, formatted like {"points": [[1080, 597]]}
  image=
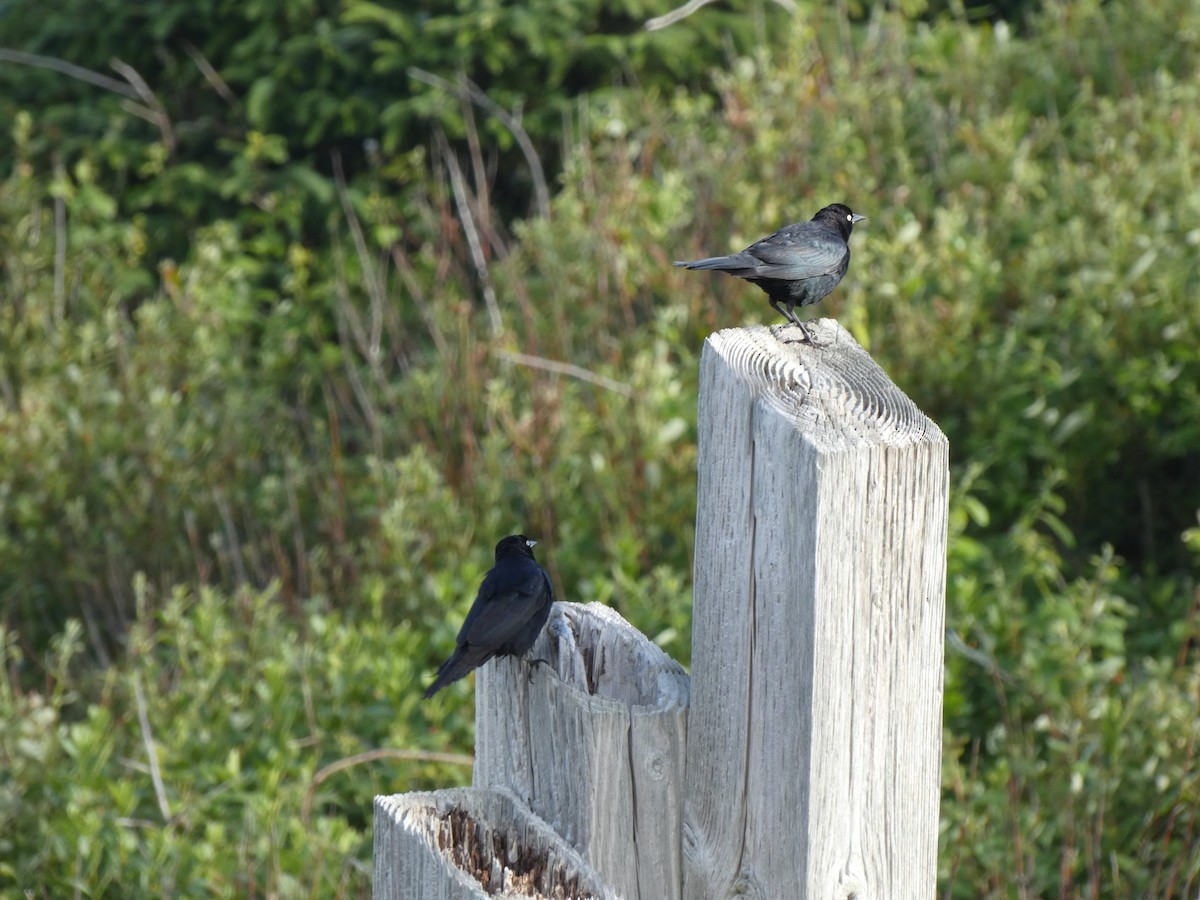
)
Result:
{"points": [[303, 303]]}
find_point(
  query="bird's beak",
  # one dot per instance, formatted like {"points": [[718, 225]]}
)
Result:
{"points": [[531, 543], [856, 218]]}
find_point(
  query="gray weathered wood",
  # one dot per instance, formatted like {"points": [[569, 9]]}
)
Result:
{"points": [[446, 845], [594, 743], [814, 734]]}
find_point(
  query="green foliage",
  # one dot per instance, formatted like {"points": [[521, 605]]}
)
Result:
{"points": [[1025, 267], [1071, 756], [261, 424], [215, 110], [238, 709]]}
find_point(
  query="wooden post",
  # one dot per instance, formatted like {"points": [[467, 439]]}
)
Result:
{"points": [[594, 743], [814, 735], [813, 740], [466, 844]]}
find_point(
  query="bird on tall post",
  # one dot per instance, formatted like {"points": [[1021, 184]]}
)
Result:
{"points": [[798, 265], [509, 611]]}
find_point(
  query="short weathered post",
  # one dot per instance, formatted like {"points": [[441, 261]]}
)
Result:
{"points": [[594, 743], [470, 844], [814, 733]]}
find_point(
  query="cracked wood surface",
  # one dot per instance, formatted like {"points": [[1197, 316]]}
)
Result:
{"points": [[814, 734], [594, 744]]}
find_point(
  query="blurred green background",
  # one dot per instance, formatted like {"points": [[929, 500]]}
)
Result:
{"points": [[286, 289]]}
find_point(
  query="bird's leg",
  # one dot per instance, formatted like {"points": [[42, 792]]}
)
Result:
{"points": [[808, 338], [533, 664], [786, 313], [790, 315]]}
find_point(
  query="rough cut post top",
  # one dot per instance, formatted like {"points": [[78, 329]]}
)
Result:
{"points": [[837, 395], [595, 652], [476, 843]]}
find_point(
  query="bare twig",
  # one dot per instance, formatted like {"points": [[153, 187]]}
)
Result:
{"points": [[349, 326], [691, 6], [483, 201], [211, 75], [95, 635], [193, 535], [471, 91], [60, 248], [151, 752], [346, 309], [375, 289], [984, 660], [459, 187], [298, 542], [563, 368], [676, 15], [452, 759], [231, 537], [409, 276], [126, 822], [70, 69], [147, 96]]}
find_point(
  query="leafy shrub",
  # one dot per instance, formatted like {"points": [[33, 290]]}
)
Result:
{"points": [[307, 427], [232, 750], [210, 109], [1071, 760]]}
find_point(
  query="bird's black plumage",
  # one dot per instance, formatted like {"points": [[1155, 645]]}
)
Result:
{"points": [[797, 265], [509, 611]]}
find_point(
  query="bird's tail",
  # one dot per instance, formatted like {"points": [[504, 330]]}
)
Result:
{"points": [[722, 263], [461, 661]]}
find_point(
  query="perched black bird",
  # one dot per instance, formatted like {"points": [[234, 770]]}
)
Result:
{"points": [[797, 265], [508, 613]]}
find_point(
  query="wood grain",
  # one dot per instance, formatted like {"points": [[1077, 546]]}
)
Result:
{"points": [[594, 743], [468, 844], [814, 735]]}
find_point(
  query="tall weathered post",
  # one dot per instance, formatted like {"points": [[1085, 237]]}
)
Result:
{"points": [[814, 732]]}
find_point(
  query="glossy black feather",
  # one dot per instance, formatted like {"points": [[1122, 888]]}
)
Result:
{"points": [[509, 612], [798, 265]]}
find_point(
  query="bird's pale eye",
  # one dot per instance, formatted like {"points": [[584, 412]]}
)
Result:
{"points": [[850, 218]]}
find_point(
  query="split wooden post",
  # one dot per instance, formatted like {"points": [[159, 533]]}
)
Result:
{"points": [[814, 735], [594, 743]]}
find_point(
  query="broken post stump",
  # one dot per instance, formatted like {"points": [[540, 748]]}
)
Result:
{"points": [[468, 844]]}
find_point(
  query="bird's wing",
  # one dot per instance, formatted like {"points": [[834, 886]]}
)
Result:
{"points": [[800, 251], [508, 599], [733, 263]]}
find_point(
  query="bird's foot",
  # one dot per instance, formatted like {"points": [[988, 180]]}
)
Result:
{"points": [[533, 664], [806, 339]]}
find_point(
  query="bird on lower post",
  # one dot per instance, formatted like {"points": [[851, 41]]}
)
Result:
{"points": [[798, 265], [508, 614]]}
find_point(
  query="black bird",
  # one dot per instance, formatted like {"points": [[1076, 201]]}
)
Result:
{"points": [[797, 265], [509, 611]]}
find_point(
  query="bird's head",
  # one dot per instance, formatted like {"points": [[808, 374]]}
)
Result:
{"points": [[515, 544], [840, 216]]}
